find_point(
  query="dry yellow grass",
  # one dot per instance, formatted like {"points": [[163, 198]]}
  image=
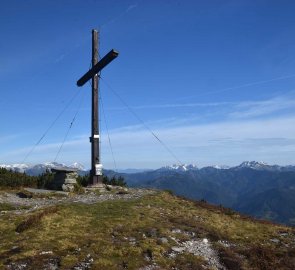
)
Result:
{"points": [[120, 234]]}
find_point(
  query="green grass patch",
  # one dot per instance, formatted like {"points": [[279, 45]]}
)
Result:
{"points": [[34, 219], [7, 207], [125, 233]]}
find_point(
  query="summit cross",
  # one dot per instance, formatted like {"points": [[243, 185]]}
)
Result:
{"points": [[94, 74]]}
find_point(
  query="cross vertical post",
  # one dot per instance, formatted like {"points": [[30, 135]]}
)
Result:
{"points": [[96, 176], [93, 74]]}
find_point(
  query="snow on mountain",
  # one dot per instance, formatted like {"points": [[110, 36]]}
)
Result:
{"points": [[191, 167], [255, 165], [52, 164], [179, 168], [77, 165], [220, 167], [40, 168], [15, 167]]}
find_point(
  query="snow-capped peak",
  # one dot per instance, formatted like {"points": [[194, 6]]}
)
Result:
{"points": [[253, 165], [21, 166], [220, 167], [52, 164], [38, 169], [179, 167], [77, 165], [15, 167]]}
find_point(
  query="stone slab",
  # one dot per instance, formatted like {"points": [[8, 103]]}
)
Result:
{"points": [[44, 191]]}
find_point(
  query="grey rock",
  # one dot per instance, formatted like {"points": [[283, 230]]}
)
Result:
{"points": [[176, 231], [178, 249], [275, 240], [163, 240], [151, 232]]}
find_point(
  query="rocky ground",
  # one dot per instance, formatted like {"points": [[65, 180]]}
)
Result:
{"points": [[138, 229], [30, 199]]}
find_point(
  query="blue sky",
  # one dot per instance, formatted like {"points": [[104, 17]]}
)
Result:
{"points": [[214, 80]]}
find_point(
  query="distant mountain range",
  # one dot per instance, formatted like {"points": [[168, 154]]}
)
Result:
{"points": [[255, 188], [255, 165], [38, 169]]}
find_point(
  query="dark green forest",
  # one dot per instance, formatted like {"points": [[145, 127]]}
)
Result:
{"points": [[107, 180], [12, 179]]}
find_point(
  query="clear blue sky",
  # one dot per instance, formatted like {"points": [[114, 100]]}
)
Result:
{"points": [[215, 80]]}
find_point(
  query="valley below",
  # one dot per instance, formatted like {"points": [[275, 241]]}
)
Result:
{"points": [[257, 189]]}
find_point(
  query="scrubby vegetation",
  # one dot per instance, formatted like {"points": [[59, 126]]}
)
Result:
{"points": [[135, 233], [12, 179], [45, 179], [114, 181], [34, 219], [130, 234]]}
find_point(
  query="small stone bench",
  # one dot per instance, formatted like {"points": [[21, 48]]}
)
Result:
{"points": [[64, 178]]}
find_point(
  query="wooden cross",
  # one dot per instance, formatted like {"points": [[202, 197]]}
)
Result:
{"points": [[93, 73]]}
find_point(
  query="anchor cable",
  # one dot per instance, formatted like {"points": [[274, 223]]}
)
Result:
{"points": [[69, 128], [142, 122], [107, 129], [51, 125]]}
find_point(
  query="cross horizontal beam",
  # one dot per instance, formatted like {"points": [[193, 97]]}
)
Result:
{"points": [[98, 67]]}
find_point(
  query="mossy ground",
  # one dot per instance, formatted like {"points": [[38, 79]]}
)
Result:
{"points": [[125, 234]]}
